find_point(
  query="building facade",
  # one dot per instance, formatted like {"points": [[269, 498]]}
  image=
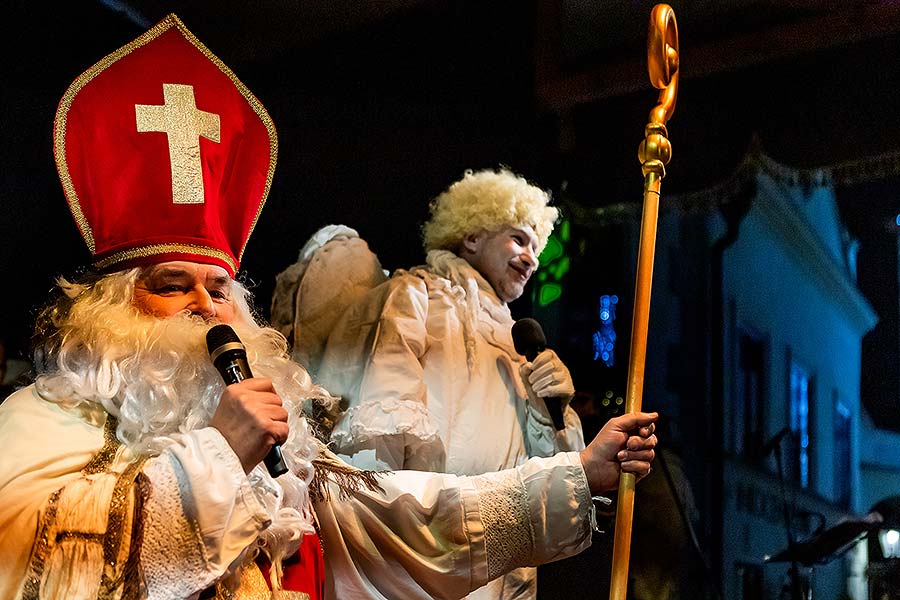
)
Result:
{"points": [[754, 356]]}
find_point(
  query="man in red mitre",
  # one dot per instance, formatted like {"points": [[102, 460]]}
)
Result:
{"points": [[131, 470]]}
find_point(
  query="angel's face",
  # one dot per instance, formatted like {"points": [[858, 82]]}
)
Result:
{"points": [[506, 258]]}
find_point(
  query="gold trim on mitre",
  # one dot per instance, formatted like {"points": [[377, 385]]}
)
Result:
{"points": [[59, 132], [157, 249]]}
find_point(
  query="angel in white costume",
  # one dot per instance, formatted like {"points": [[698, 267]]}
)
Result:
{"points": [[426, 359]]}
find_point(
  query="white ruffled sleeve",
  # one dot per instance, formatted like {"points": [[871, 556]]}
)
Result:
{"points": [[433, 535], [201, 516]]}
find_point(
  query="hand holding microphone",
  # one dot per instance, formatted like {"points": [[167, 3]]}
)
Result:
{"points": [[547, 375], [250, 415], [550, 378]]}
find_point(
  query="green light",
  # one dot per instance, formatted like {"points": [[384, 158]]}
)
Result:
{"points": [[564, 231], [561, 268], [550, 292], [554, 266], [553, 250]]}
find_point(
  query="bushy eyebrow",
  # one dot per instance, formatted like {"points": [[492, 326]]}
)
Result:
{"points": [[219, 280], [168, 272], [178, 273]]}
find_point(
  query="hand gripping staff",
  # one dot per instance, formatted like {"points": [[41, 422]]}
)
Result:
{"points": [[654, 153]]}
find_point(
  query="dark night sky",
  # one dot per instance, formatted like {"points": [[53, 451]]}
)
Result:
{"points": [[376, 118]]}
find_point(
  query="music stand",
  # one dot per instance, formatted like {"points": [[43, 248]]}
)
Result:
{"points": [[824, 546]]}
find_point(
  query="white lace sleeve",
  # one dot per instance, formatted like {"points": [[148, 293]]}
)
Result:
{"points": [[537, 513], [202, 514]]}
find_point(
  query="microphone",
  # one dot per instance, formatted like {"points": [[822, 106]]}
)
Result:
{"points": [[529, 341], [230, 358], [774, 441]]}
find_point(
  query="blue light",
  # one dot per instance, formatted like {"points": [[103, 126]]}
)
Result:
{"points": [[604, 338]]}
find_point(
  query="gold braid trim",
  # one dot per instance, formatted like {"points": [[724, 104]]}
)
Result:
{"points": [[113, 576], [329, 468], [113, 260], [32, 588], [104, 458], [134, 588]]}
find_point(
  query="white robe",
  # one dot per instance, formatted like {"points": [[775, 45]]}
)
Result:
{"points": [[427, 535], [428, 365]]}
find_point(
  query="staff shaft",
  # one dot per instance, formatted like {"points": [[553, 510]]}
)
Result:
{"points": [[634, 392], [654, 153]]}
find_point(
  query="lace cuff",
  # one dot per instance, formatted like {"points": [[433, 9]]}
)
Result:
{"points": [[202, 515], [508, 537], [534, 514], [373, 419]]}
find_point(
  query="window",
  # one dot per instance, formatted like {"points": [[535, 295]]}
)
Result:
{"points": [[748, 414], [842, 423], [799, 401]]}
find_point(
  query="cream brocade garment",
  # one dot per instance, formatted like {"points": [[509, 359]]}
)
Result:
{"points": [[87, 546], [86, 530], [253, 586]]}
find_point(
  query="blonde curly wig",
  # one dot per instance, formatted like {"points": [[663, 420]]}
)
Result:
{"points": [[486, 201]]}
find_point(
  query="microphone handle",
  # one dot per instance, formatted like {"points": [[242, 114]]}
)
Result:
{"points": [[554, 407], [236, 371], [274, 461]]}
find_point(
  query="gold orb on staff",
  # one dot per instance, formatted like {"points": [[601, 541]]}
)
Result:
{"points": [[654, 154]]}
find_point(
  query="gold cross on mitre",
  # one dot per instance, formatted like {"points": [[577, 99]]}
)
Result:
{"points": [[183, 123]]}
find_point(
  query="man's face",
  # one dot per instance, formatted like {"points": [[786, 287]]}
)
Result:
{"points": [[506, 258], [174, 287]]}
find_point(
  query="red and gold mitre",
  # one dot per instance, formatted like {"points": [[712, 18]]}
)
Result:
{"points": [[164, 154]]}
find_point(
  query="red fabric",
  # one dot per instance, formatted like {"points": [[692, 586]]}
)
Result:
{"points": [[122, 178], [304, 571]]}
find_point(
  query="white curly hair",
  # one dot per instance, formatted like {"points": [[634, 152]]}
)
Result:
{"points": [[487, 201]]}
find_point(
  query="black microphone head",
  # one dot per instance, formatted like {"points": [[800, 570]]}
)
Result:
{"points": [[528, 338], [228, 353], [223, 342], [219, 336]]}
